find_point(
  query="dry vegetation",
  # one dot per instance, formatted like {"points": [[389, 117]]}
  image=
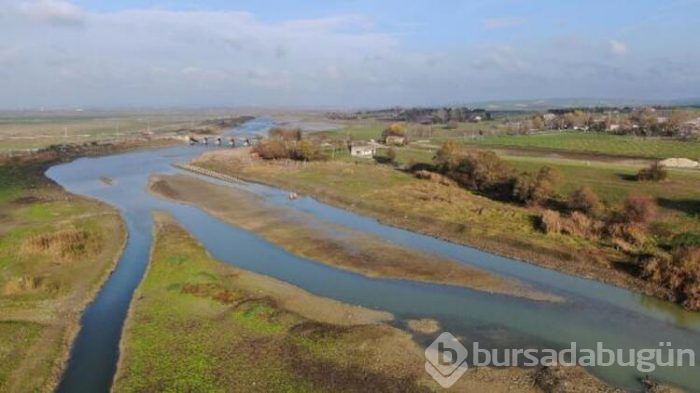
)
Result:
{"points": [[33, 130], [342, 247], [515, 212]]}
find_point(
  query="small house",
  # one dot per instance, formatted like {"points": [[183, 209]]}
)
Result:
{"points": [[362, 150], [395, 140]]}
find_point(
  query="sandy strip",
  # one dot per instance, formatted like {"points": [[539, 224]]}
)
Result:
{"points": [[330, 244]]}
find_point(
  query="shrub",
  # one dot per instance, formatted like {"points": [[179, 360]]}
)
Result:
{"points": [[551, 222], [391, 155], [307, 151], [395, 129], [579, 224], [584, 199], [679, 273], [285, 134], [639, 209], [272, 149], [447, 157], [575, 224], [484, 171], [523, 184], [538, 189], [655, 172], [623, 234], [433, 177]]}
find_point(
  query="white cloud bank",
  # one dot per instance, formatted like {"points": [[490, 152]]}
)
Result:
{"points": [[55, 54], [618, 48]]}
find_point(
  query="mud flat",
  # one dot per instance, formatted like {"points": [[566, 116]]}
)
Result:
{"points": [[334, 245]]}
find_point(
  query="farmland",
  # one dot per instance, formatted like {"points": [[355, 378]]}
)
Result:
{"points": [[31, 130], [597, 143]]}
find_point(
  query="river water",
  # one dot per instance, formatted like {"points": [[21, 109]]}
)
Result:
{"points": [[593, 312]]}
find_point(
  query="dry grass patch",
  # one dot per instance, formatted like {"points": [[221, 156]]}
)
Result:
{"points": [[304, 235], [64, 245]]}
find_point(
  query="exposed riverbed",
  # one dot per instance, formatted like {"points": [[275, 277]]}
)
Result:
{"points": [[593, 312]]}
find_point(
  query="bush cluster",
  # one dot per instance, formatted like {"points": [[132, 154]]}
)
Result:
{"points": [[275, 149], [485, 172], [655, 172], [679, 273]]}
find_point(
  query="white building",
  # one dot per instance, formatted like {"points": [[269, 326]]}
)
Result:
{"points": [[363, 151]]}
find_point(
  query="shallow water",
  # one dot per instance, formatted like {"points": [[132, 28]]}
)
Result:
{"points": [[593, 312]]}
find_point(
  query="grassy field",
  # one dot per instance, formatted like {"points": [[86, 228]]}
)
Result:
{"points": [[361, 132], [400, 199], [366, 130], [199, 325], [596, 143], [20, 130], [55, 251], [611, 180]]}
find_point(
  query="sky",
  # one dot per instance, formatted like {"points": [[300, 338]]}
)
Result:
{"points": [[343, 53]]}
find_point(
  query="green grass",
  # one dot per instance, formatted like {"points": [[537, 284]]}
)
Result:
{"points": [[194, 340], [44, 268], [613, 182], [15, 181], [177, 341], [619, 145], [355, 132], [15, 337]]}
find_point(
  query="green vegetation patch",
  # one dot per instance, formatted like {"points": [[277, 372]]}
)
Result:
{"points": [[355, 132], [620, 145], [211, 335], [15, 337], [54, 251]]}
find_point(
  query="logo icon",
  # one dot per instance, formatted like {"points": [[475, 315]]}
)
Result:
{"points": [[446, 360]]}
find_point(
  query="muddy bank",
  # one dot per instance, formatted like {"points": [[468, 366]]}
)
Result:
{"points": [[335, 245]]}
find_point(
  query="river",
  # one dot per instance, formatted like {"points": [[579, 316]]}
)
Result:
{"points": [[593, 312]]}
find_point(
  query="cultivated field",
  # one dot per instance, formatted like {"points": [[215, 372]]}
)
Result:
{"points": [[30, 130], [597, 143]]}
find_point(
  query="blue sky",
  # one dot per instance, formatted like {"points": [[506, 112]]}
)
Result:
{"points": [[354, 53]]}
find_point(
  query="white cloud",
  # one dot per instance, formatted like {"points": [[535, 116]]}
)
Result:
{"points": [[617, 48], [57, 12], [157, 57], [502, 23]]}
